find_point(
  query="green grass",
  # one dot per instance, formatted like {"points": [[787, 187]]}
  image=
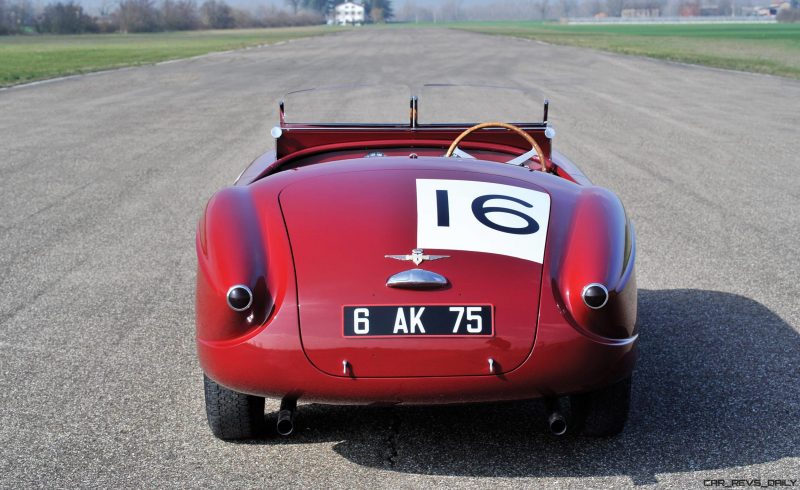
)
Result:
{"points": [[29, 58], [762, 48]]}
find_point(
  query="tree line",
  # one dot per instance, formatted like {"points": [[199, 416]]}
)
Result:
{"points": [[459, 10], [69, 17]]}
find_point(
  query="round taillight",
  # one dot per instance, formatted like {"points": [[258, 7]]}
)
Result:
{"points": [[595, 295], [239, 297]]}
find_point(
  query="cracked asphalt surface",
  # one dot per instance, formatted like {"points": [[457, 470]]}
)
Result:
{"points": [[103, 177]]}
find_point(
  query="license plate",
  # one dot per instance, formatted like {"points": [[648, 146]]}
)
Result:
{"points": [[419, 321]]}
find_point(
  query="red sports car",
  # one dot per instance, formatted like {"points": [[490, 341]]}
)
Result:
{"points": [[420, 263]]}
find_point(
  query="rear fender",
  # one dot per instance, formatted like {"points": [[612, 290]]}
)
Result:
{"points": [[230, 251], [600, 248]]}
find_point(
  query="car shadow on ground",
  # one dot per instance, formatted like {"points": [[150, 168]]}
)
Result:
{"points": [[715, 387]]}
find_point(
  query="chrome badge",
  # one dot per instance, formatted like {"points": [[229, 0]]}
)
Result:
{"points": [[417, 256]]}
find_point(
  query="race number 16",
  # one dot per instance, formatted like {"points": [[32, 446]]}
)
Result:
{"points": [[481, 212], [482, 217]]}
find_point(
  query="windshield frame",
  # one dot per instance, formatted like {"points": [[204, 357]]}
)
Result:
{"points": [[413, 120]]}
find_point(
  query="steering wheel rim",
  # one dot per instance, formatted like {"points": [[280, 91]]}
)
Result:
{"points": [[497, 124]]}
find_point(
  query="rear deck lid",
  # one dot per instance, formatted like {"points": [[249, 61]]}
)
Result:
{"points": [[488, 232]]}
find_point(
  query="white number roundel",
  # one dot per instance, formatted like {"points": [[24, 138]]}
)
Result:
{"points": [[482, 217]]}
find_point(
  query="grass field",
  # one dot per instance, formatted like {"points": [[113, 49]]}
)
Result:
{"points": [[762, 48], [29, 58]]}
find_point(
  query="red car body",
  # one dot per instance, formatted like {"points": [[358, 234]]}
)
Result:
{"points": [[308, 228]]}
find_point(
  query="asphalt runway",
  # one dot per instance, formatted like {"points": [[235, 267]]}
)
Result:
{"points": [[103, 177]]}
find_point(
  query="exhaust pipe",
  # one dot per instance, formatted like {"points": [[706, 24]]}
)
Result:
{"points": [[286, 416], [556, 421]]}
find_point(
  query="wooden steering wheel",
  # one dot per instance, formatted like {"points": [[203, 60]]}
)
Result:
{"points": [[510, 127]]}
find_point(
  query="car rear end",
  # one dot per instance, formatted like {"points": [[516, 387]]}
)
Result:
{"points": [[325, 326]]}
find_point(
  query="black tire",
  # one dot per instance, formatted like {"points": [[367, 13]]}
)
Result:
{"points": [[233, 415], [602, 413]]}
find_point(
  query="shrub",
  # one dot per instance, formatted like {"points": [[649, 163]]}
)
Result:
{"points": [[789, 15]]}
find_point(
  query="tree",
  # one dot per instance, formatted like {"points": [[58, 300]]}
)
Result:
{"points": [[137, 16], [449, 11], [217, 15], [409, 11], [294, 4], [544, 6], [66, 18], [179, 15], [789, 15], [383, 6], [315, 5], [413, 12], [5, 25], [567, 7], [245, 19], [16, 17], [615, 7]]}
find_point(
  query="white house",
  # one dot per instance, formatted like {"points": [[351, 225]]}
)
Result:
{"points": [[349, 13]]}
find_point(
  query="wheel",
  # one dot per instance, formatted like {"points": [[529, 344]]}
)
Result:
{"points": [[233, 415], [602, 413]]}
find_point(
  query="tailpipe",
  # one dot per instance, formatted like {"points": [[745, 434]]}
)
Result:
{"points": [[285, 424], [556, 421]]}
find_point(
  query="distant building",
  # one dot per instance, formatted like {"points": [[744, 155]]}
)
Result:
{"points": [[710, 8], [641, 12], [641, 8], [348, 13], [772, 9]]}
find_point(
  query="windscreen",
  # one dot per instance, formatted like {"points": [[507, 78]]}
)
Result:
{"points": [[349, 104], [437, 104], [445, 103]]}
